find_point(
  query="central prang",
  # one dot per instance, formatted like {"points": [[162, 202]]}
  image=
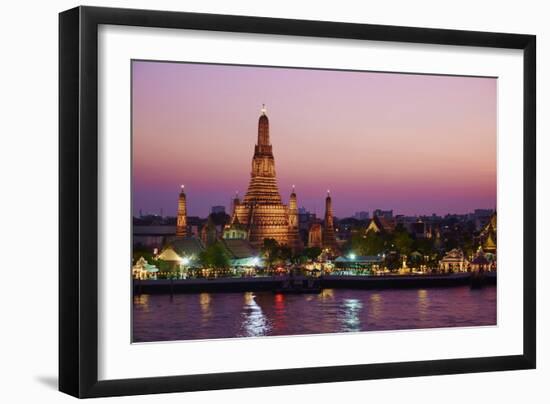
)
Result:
{"points": [[262, 212]]}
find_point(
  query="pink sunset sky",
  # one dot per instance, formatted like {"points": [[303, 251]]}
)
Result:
{"points": [[417, 144]]}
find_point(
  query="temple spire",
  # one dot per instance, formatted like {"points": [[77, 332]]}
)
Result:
{"points": [[263, 132], [181, 223], [294, 240], [329, 237]]}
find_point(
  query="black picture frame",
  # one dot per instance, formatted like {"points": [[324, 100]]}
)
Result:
{"points": [[78, 201]]}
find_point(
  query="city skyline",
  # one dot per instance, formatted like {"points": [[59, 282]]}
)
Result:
{"points": [[227, 210], [416, 144]]}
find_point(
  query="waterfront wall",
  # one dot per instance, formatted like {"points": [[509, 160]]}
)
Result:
{"points": [[332, 282]]}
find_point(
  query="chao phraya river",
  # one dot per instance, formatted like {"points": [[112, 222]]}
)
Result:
{"points": [[161, 317]]}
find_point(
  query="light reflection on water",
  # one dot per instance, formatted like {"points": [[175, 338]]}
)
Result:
{"points": [[351, 320], [375, 306], [423, 304], [253, 314], [254, 322], [142, 301]]}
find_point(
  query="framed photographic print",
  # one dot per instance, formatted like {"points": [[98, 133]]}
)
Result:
{"points": [[250, 201]]}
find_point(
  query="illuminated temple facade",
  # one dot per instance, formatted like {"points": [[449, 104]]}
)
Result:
{"points": [[262, 212]]}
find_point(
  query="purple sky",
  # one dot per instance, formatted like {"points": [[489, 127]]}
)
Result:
{"points": [[417, 144]]}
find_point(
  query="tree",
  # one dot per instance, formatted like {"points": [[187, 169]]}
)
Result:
{"points": [[285, 253], [311, 253], [215, 256], [139, 251], [424, 246], [164, 266], [358, 244], [373, 244], [392, 261], [403, 242], [270, 251], [415, 259]]}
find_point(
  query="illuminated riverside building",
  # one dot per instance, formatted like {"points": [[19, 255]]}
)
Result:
{"points": [[454, 260]]}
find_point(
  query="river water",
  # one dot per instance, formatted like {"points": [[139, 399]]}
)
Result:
{"points": [[251, 314]]}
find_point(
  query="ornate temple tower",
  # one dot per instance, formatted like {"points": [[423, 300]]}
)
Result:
{"points": [[329, 238], [262, 211], [236, 202], [181, 224], [263, 183], [294, 240]]}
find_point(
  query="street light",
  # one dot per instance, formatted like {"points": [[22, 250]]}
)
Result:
{"points": [[183, 262]]}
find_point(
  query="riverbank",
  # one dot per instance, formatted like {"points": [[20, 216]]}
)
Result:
{"points": [[269, 283]]}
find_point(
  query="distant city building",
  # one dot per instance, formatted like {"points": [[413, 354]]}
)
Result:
{"points": [[407, 222], [483, 212], [482, 217], [362, 215], [419, 229], [306, 219], [152, 236], [217, 209], [194, 225], [388, 214]]}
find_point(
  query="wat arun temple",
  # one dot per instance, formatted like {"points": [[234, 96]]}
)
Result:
{"points": [[261, 214]]}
